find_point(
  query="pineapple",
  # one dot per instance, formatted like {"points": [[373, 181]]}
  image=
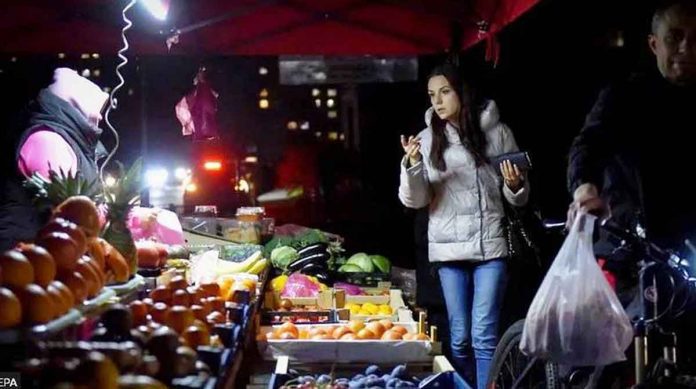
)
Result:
{"points": [[120, 199], [60, 186]]}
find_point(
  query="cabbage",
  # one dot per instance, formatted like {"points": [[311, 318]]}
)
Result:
{"points": [[282, 256], [348, 268], [351, 290], [362, 261], [381, 263]]}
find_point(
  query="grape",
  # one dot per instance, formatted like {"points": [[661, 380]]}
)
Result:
{"points": [[372, 369], [324, 379], [399, 371]]}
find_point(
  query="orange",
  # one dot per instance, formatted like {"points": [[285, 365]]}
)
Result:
{"points": [[340, 331], [409, 337], [159, 313], [161, 294], [65, 292], [199, 312], [77, 285], [115, 262], [138, 312], [63, 249], [95, 266], [422, 336], [290, 335], [217, 304], [17, 271], [10, 309], [216, 318], [290, 327], [42, 262], [62, 225], [96, 251], [387, 324], [391, 335], [179, 318], [316, 331], [81, 211], [178, 282], [196, 294], [376, 328], [249, 285], [212, 289], [61, 306], [400, 329], [224, 288], [37, 305], [90, 276], [366, 334], [349, 336], [320, 337], [356, 325], [181, 297], [196, 336]]}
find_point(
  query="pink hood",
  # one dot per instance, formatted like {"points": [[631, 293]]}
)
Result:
{"points": [[86, 96]]}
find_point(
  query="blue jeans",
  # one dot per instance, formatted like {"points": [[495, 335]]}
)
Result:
{"points": [[473, 295]]}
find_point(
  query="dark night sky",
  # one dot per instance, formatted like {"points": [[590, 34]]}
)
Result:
{"points": [[554, 61]]}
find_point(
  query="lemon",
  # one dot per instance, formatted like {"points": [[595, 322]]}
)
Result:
{"points": [[278, 283], [364, 312], [385, 310]]}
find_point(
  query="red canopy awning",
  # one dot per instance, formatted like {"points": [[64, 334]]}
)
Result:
{"points": [[271, 27]]}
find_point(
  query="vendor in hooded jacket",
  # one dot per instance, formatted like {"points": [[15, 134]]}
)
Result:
{"points": [[447, 169], [59, 130]]}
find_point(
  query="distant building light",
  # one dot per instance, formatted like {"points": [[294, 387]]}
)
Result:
{"points": [[292, 125], [264, 104], [95, 55], [96, 72], [1, 71], [333, 135], [13, 59], [61, 55], [263, 93], [330, 103], [317, 102], [263, 70], [86, 73], [315, 92], [331, 92], [317, 134], [342, 137], [243, 186], [130, 92], [191, 187], [320, 76], [107, 89], [251, 159], [84, 56], [304, 126], [332, 114]]}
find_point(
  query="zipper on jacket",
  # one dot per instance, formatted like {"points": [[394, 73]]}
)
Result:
{"points": [[478, 189]]}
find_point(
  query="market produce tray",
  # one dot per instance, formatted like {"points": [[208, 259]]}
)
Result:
{"points": [[375, 351], [437, 373], [326, 316], [194, 382], [41, 331]]}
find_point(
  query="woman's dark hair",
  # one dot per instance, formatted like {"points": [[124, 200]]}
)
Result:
{"points": [[470, 133]]}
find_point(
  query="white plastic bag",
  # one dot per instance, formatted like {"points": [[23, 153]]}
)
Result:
{"points": [[575, 317]]}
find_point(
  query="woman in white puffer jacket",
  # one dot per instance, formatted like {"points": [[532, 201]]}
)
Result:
{"points": [[446, 167]]}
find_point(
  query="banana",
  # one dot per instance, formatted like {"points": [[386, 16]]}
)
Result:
{"points": [[259, 266]]}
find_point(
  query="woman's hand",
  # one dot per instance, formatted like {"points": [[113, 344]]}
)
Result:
{"points": [[512, 175], [412, 149]]}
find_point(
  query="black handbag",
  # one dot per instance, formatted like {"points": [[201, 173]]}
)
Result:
{"points": [[521, 234]]}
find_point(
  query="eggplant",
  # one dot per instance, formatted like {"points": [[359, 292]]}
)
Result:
{"points": [[316, 248], [312, 269], [298, 264]]}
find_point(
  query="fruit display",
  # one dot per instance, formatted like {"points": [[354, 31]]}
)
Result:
{"points": [[374, 376], [353, 330], [369, 309]]}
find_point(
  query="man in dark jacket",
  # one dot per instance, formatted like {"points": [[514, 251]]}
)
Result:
{"points": [[636, 153]]}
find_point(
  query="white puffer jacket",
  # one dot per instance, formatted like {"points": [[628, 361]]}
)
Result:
{"points": [[465, 202]]}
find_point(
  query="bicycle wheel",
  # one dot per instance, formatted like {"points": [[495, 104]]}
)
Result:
{"points": [[509, 363]]}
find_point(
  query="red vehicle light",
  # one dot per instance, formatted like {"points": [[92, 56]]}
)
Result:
{"points": [[212, 165]]}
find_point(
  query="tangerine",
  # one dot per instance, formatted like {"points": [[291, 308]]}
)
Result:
{"points": [[62, 225], [65, 292], [41, 261], [37, 305], [10, 309], [82, 211], [77, 285], [63, 249], [16, 268]]}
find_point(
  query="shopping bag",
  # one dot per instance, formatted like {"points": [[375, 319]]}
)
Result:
{"points": [[575, 317]]}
